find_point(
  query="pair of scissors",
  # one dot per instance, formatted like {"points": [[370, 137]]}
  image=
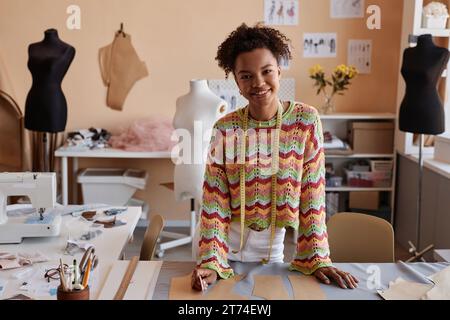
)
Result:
{"points": [[94, 262], [89, 253]]}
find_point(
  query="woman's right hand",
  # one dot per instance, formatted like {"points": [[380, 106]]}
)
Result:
{"points": [[207, 276]]}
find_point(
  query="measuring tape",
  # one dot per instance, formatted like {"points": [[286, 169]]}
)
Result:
{"points": [[274, 167]]}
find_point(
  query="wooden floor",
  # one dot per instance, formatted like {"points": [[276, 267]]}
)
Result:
{"points": [[183, 253]]}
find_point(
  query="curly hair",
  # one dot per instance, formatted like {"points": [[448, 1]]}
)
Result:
{"points": [[246, 39]]}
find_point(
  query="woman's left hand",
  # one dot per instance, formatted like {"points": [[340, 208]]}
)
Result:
{"points": [[343, 279]]}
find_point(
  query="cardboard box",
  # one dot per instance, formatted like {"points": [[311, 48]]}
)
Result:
{"points": [[368, 200], [442, 149], [372, 137]]}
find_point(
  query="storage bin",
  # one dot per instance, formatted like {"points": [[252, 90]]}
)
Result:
{"points": [[368, 200], [142, 204], [111, 186], [381, 165], [377, 179], [431, 22], [334, 182], [372, 137]]}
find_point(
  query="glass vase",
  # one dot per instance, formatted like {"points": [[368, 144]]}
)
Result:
{"points": [[328, 106]]}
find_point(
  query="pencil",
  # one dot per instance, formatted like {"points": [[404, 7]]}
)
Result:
{"points": [[202, 283], [87, 272]]}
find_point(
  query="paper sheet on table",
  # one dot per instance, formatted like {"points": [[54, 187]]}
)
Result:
{"points": [[3, 284], [223, 290], [270, 287], [401, 289], [142, 284], [306, 288], [180, 289], [441, 290], [12, 260], [38, 287]]}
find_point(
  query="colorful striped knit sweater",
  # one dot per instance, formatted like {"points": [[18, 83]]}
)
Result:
{"points": [[300, 188]]}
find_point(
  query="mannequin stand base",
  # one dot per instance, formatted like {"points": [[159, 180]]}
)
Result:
{"points": [[418, 255], [179, 238]]}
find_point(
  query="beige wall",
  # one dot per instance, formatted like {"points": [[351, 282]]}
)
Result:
{"points": [[178, 40]]}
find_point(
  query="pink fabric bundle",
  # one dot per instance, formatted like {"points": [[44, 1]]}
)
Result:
{"points": [[151, 134]]}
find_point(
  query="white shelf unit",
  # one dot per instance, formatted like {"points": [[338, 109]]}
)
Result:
{"points": [[338, 124], [412, 26]]}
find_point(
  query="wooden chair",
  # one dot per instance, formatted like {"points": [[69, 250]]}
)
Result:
{"points": [[11, 134], [151, 236], [357, 237]]}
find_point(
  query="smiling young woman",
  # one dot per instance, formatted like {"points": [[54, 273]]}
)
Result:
{"points": [[279, 180]]}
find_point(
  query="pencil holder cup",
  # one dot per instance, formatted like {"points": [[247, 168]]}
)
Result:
{"points": [[72, 295]]}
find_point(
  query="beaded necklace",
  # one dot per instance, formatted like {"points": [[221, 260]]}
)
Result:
{"points": [[274, 170]]}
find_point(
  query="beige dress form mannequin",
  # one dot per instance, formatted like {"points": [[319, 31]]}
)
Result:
{"points": [[196, 113]]}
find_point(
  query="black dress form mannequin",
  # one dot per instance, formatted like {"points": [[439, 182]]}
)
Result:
{"points": [[46, 106], [421, 110]]}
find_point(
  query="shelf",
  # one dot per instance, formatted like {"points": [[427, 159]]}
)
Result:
{"points": [[357, 116], [439, 167], [111, 153], [346, 189], [360, 155], [434, 32]]}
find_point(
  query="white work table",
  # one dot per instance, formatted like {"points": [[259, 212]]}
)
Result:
{"points": [[108, 248], [442, 255], [65, 153], [365, 272]]}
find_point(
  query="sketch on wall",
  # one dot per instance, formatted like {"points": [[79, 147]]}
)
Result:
{"points": [[341, 9], [284, 63], [360, 55], [228, 91], [319, 45], [281, 12]]}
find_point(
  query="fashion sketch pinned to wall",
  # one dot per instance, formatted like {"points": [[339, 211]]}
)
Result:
{"points": [[120, 68], [342, 9], [319, 45], [281, 12], [284, 63], [360, 55]]}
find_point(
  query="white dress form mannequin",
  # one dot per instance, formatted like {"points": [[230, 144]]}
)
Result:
{"points": [[200, 105], [196, 113]]}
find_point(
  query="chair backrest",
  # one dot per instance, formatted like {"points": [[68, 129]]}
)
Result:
{"points": [[151, 237], [11, 134], [358, 237]]}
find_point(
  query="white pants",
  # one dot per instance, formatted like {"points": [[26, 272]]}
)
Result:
{"points": [[256, 244]]}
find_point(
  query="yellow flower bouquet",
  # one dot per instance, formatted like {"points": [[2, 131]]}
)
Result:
{"points": [[340, 79]]}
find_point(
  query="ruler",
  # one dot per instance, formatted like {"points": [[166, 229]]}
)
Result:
{"points": [[126, 278]]}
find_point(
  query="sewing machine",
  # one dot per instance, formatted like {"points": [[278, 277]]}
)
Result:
{"points": [[41, 189]]}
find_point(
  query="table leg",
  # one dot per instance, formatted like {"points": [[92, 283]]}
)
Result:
{"points": [[65, 181], [74, 177]]}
